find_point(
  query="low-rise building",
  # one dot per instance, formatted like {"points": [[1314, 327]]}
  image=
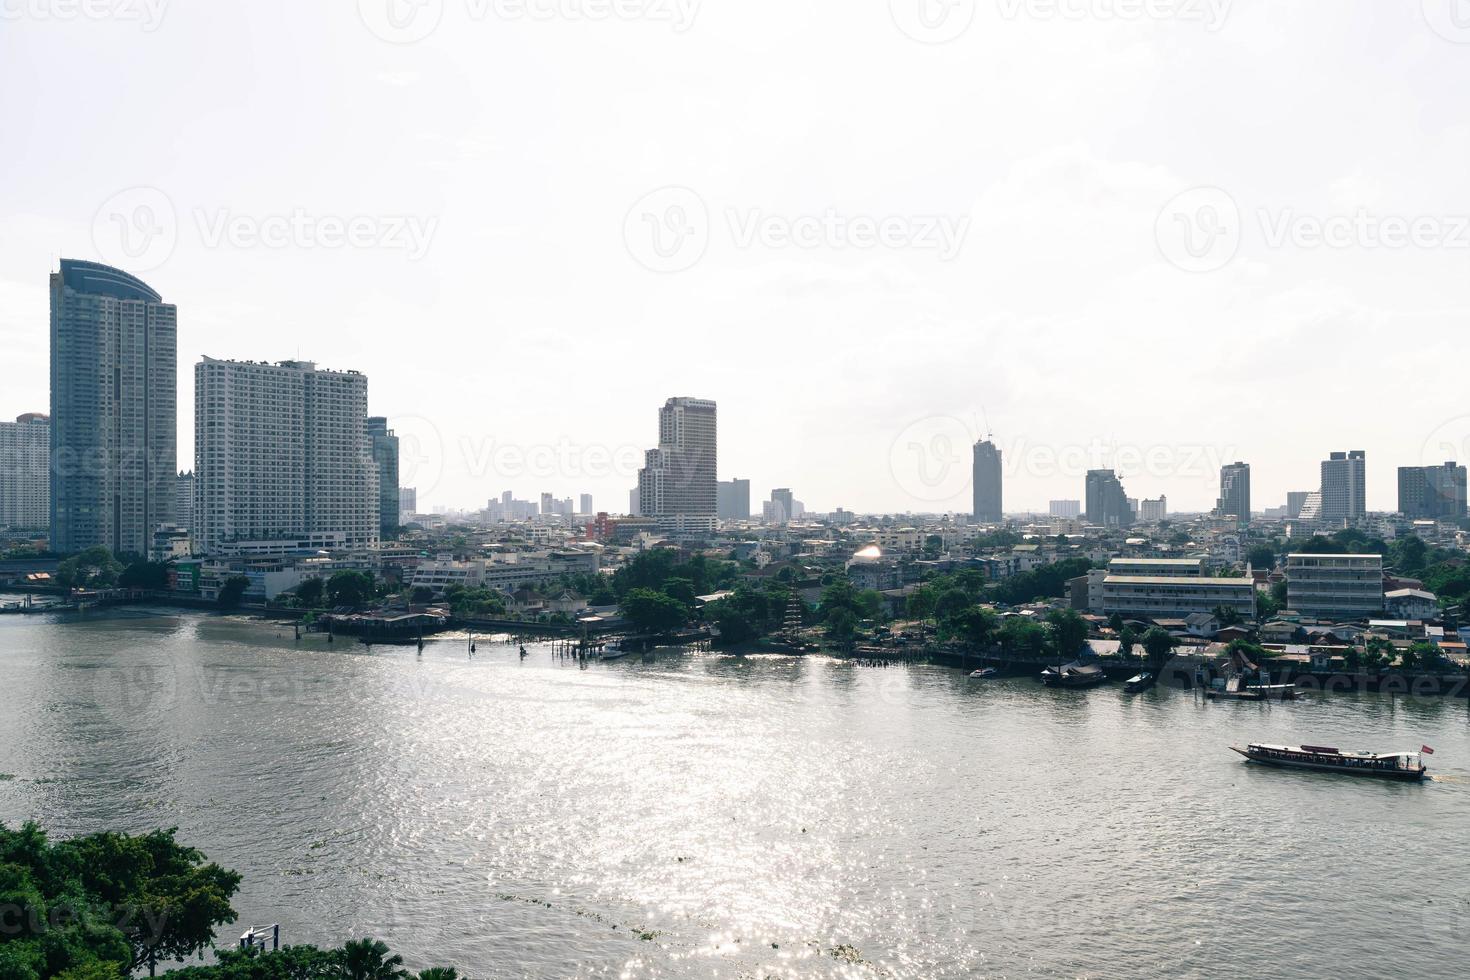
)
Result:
{"points": [[1335, 586], [1176, 595]]}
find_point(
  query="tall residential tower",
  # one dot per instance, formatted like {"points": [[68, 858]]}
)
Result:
{"points": [[678, 485], [987, 483]]}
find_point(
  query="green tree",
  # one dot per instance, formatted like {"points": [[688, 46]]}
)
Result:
{"points": [[976, 627], [1126, 639], [350, 587], [309, 593], [149, 575], [370, 959], [650, 611], [1157, 643], [842, 626], [94, 568], [1377, 652], [1115, 623], [232, 591], [1021, 636], [1068, 632], [1226, 615], [1261, 556]]}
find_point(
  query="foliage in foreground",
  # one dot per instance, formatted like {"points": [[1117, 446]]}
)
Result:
{"points": [[103, 906]]}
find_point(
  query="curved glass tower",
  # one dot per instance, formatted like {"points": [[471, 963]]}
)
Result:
{"points": [[113, 409]]}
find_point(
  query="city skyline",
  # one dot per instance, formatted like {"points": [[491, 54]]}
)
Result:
{"points": [[1082, 188]]}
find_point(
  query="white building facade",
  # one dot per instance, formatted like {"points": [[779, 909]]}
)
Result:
{"points": [[25, 473]]}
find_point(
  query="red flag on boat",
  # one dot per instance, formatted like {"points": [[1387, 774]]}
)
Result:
{"points": [[1426, 750]]}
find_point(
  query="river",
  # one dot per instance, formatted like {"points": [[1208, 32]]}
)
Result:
{"points": [[695, 814]]}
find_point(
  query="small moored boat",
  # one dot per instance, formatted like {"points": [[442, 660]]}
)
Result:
{"points": [[983, 673], [1073, 675], [1385, 765], [614, 651], [1140, 682]]}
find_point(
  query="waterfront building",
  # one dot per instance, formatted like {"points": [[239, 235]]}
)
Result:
{"points": [[1432, 492], [677, 485], [1176, 596], [1107, 503], [384, 446], [1343, 487], [986, 474], [734, 500], [1070, 509], [281, 451], [25, 473], [1335, 586], [1235, 492], [114, 384]]}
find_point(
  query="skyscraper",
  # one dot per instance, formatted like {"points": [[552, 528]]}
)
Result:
{"points": [[114, 385], [987, 483], [25, 472], [1235, 492], [281, 451], [677, 484], [1343, 491], [734, 500], [1107, 503], [1432, 492], [384, 446], [783, 506], [184, 500], [584, 504]]}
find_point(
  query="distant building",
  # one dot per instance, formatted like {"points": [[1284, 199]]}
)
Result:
{"points": [[184, 501], [281, 451], [1153, 511], [25, 472], [782, 508], [678, 485], [408, 501], [1176, 596], [987, 483], [1065, 508], [1235, 492], [1107, 503], [384, 445], [1295, 500], [114, 412], [1343, 486], [1432, 492], [734, 500], [1311, 508], [1335, 586], [584, 505]]}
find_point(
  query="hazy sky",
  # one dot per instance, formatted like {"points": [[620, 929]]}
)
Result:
{"points": [[1160, 234]]}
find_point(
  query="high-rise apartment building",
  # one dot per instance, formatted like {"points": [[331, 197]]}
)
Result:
{"points": [[1107, 503], [281, 451], [114, 385], [1235, 492], [408, 501], [584, 504], [1153, 511], [1432, 492], [782, 509], [987, 483], [1296, 500], [184, 500], [25, 473], [1343, 486], [384, 446], [734, 500], [677, 485]]}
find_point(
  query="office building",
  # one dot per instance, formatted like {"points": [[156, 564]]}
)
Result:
{"points": [[1235, 492], [734, 500], [281, 451], [384, 446], [584, 505], [114, 385], [1295, 501], [1065, 508], [408, 501], [782, 507], [1107, 503], [1153, 511], [987, 483], [1176, 596], [25, 473], [677, 484], [1343, 488], [184, 500], [1432, 492], [1335, 586]]}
